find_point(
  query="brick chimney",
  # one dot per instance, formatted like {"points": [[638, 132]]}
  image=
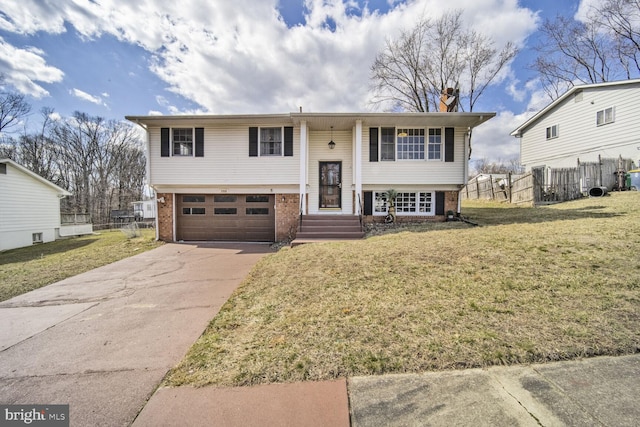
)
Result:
{"points": [[449, 100]]}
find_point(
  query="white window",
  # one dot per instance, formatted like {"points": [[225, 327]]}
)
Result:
{"points": [[552, 132], [387, 144], [270, 141], [407, 204], [36, 237], [605, 116], [435, 144], [410, 144], [183, 141]]}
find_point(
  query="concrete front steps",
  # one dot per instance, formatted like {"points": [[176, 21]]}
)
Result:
{"points": [[316, 228]]}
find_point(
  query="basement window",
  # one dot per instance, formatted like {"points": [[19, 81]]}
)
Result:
{"points": [[36, 237]]}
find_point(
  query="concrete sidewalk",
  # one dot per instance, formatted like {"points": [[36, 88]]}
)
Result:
{"points": [[593, 392], [102, 341]]}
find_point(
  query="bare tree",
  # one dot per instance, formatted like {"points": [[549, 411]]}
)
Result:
{"points": [[411, 71], [498, 166], [605, 47], [37, 151], [13, 108], [104, 164], [621, 19]]}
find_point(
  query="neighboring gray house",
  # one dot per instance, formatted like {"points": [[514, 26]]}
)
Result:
{"points": [[29, 207], [587, 122]]}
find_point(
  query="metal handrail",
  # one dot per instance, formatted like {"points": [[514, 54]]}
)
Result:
{"points": [[301, 212], [360, 213]]}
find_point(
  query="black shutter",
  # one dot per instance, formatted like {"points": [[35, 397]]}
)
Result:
{"points": [[199, 142], [164, 142], [253, 142], [449, 144], [368, 203], [288, 141], [439, 202], [373, 145]]}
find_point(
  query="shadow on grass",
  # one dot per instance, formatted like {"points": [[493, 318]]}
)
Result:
{"points": [[499, 216], [491, 216], [34, 252]]}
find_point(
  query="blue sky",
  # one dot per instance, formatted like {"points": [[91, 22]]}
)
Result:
{"points": [[115, 57]]}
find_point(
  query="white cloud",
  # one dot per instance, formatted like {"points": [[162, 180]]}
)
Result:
{"points": [[491, 140], [25, 68], [87, 97], [241, 57]]}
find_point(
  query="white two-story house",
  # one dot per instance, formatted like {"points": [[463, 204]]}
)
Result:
{"points": [[252, 177], [586, 123]]}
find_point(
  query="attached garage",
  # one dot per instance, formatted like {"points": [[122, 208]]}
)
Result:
{"points": [[226, 217]]}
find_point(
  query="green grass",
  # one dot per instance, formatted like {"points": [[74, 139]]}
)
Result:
{"points": [[25, 269], [528, 285]]}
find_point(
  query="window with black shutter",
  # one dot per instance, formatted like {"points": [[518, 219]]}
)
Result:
{"points": [[288, 141], [373, 144], [199, 142], [164, 142], [449, 144], [253, 142]]}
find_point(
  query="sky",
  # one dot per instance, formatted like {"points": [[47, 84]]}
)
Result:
{"points": [[112, 58]]}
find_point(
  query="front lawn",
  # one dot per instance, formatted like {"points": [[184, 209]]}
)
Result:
{"points": [[25, 269], [527, 285]]}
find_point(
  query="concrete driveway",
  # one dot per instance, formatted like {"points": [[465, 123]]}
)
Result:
{"points": [[102, 341]]}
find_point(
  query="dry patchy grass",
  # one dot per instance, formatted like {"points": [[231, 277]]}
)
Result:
{"points": [[25, 269], [528, 285]]}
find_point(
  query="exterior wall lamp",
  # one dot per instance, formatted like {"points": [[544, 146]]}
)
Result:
{"points": [[332, 144]]}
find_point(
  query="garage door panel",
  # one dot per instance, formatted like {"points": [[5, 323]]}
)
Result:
{"points": [[238, 217]]}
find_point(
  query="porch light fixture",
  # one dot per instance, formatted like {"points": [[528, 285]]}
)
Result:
{"points": [[332, 144], [402, 134]]}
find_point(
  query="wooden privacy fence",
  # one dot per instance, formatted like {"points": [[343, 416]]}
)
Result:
{"points": [[547, 185]]}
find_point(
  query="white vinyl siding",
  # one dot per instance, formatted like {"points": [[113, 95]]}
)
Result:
{"points": [[581, 137], [226, 162], [27, 206], [394, 174], [319, 152]]}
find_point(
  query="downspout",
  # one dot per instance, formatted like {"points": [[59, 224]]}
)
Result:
{"points": [[465, 178]]}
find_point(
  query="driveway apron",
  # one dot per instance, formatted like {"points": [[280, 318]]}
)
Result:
{"points": [[103, 340]]}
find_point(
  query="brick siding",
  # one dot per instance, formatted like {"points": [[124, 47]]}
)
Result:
{"points": [[165, 217], [287, 216]]}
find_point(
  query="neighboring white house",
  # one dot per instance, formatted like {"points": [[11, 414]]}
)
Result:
{"points": [[144, 210], [586, 122], [254, 177], [29, 207]]}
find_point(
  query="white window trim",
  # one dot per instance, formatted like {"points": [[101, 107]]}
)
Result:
{"points": [[193, 143], [377, 195], [426, 144], [395, 143], [260, 141], [551, 128], [604, 116]]}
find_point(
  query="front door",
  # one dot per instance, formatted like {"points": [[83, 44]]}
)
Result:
{"points": [[330, 185]]}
